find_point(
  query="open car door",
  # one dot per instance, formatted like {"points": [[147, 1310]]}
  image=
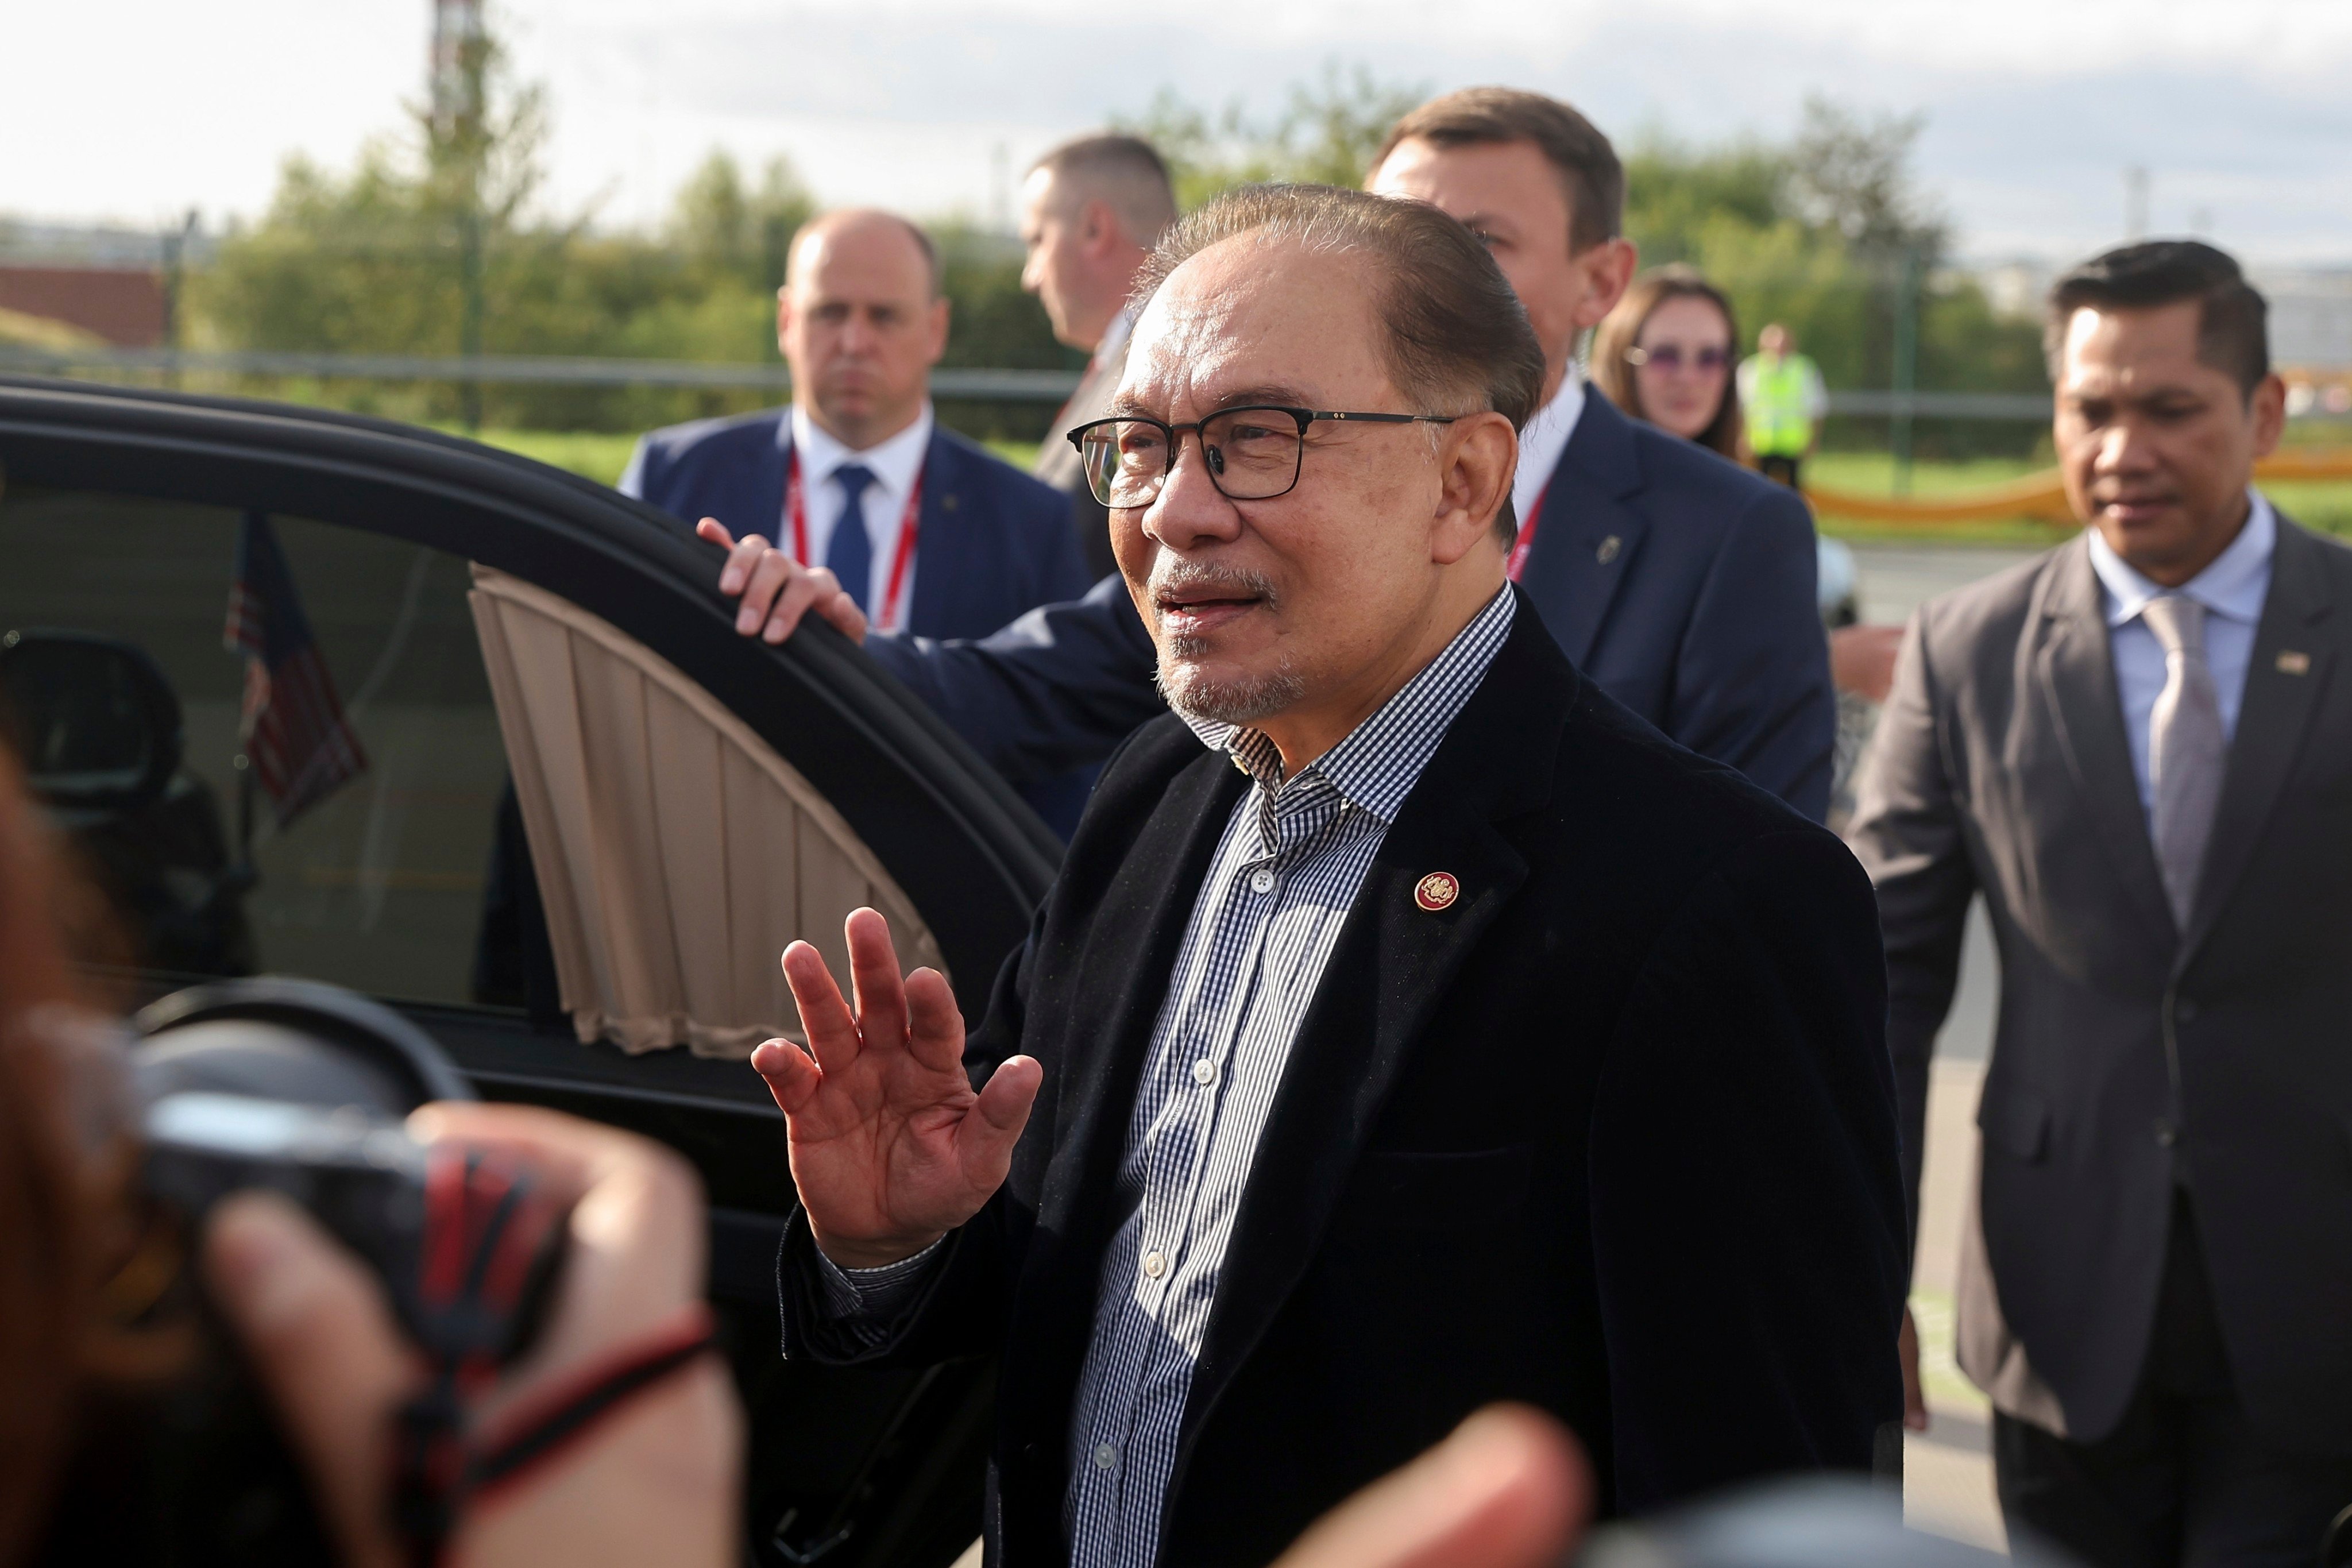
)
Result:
{"points": [[523, 782]]}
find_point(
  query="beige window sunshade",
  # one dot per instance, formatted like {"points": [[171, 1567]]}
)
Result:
{"points": [[678, 854]]}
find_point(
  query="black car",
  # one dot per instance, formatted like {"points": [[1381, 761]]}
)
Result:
{"points": [[524, 784]]}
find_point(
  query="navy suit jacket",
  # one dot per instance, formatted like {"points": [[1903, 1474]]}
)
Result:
{"points": [[994, 541], [1681, 584]]}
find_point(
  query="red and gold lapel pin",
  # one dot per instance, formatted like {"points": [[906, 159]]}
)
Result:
{"points": [[1437, 890]]}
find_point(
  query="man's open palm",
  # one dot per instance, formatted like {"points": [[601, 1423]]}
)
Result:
{"points": [[891, 1148]]}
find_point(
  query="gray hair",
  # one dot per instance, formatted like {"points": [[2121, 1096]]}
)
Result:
{"points": [[1455, 336], [1125, 173]]}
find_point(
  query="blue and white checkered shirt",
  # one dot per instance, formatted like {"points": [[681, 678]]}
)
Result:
{"points": [[1293, 857]]}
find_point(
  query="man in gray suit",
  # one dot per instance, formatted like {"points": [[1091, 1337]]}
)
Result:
{"points": [[1091, 210], [2138, 748]]}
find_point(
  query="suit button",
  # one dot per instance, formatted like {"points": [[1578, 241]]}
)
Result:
{"points": [[2167, 1134]]}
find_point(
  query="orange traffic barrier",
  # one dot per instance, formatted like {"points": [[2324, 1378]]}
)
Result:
{"points": [[2041, 497]]}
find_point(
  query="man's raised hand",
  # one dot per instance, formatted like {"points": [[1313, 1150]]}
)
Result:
{"points": [[891, 1147], [777, 590]]}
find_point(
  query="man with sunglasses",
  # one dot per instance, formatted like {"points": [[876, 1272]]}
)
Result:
{"points": [[1682, 583], [1410, 1027]]}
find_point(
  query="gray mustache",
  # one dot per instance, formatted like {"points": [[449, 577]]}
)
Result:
{"points": [[1175, 576]]}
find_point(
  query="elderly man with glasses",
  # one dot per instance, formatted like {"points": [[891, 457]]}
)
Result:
{"points": [[1410, 1027]]}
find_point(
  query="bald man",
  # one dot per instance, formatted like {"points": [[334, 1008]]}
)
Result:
{"points": [[926, 532], [1091, 210]]}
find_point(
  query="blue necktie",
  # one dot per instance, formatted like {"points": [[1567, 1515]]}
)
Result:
{"points": [[850, 554]]}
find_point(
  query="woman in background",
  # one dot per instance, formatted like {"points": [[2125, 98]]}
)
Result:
{"points": [[1665, 354]]}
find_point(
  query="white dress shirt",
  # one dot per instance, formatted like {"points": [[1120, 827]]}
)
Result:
{"points": [[1115, 336], [1542, 442], [2232, 589], [897, 464]]}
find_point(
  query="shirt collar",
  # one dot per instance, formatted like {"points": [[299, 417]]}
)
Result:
{"points": [[1115, 336], [1544, 439], [896, 462], [1375, 766], [2234, 583]]}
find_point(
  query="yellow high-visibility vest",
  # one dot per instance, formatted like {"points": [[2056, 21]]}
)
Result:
{"points": [[1777, 405]]}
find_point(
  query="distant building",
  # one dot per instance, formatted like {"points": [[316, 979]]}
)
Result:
{"points": [[110, 283], [126, 308]]}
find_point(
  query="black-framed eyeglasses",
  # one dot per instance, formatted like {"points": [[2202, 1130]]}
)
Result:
{"points": [[1254, 453]]}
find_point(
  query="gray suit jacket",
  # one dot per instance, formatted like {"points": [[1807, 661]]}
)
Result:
{"points": [[2131, 1055], [1057, 460]]}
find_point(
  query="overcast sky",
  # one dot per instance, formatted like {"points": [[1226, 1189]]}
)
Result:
{"points": [[130, 109]]}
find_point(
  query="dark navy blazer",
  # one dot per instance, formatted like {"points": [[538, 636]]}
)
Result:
{"points": [[993, 542], [1681, 584]]}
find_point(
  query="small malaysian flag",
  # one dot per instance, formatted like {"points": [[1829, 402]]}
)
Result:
{"points": [[297, 741]]}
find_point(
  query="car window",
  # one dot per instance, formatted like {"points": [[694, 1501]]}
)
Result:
{"points": [[378, 879]]}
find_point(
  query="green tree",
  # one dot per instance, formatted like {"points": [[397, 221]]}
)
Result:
{"points": [[728, 228], [1325, 134]]}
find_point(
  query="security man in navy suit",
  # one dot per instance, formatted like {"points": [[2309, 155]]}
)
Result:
{"points": [[1679, 583], [923, 532]]}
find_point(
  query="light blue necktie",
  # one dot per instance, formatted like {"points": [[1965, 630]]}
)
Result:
{"points": [[850, 552]]}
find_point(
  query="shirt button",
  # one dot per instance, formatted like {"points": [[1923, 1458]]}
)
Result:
{"points": [[1261, 880], [1155, 1264], [1105, 1456], [1205, 1072]]}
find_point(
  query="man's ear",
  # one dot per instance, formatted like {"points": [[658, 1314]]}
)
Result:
{"points": [[1099, 227], [2268, 406], [1608, 270], [1480, 454], [939, 325], [783, 316]]}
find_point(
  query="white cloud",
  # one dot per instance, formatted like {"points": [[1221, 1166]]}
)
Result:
{"points": [[2033, 108]]}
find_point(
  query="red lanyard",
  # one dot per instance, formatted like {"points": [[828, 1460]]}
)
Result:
{"points": [[1527, 540], [892, 612]]}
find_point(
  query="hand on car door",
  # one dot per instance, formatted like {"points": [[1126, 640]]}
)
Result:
{"points": [[777, 590], [891, 1147]]}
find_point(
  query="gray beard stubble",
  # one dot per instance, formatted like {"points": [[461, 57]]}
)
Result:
{"points": [[1191, 694]]}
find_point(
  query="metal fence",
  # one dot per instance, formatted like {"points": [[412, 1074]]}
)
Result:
{"points": [[979, 386]]}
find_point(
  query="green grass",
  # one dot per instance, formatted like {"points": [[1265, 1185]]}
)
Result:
{"points": [[1872, 473], [602, 456], [591, 453]]}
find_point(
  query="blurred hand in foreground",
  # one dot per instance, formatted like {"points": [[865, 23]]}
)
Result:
{"points": [[655, 1480], [778, 591], [1862, 660], [1907, 1348], [891, 1146], [1510, 1488]]}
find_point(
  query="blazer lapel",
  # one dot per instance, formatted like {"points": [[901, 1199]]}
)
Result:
{"points": [[2077, 675], [945, 559], [1586, 535], [2284, 678], [1393, 963]]}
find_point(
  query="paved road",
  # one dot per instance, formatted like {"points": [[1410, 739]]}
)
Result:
{"points": [[1948, 1475]]}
